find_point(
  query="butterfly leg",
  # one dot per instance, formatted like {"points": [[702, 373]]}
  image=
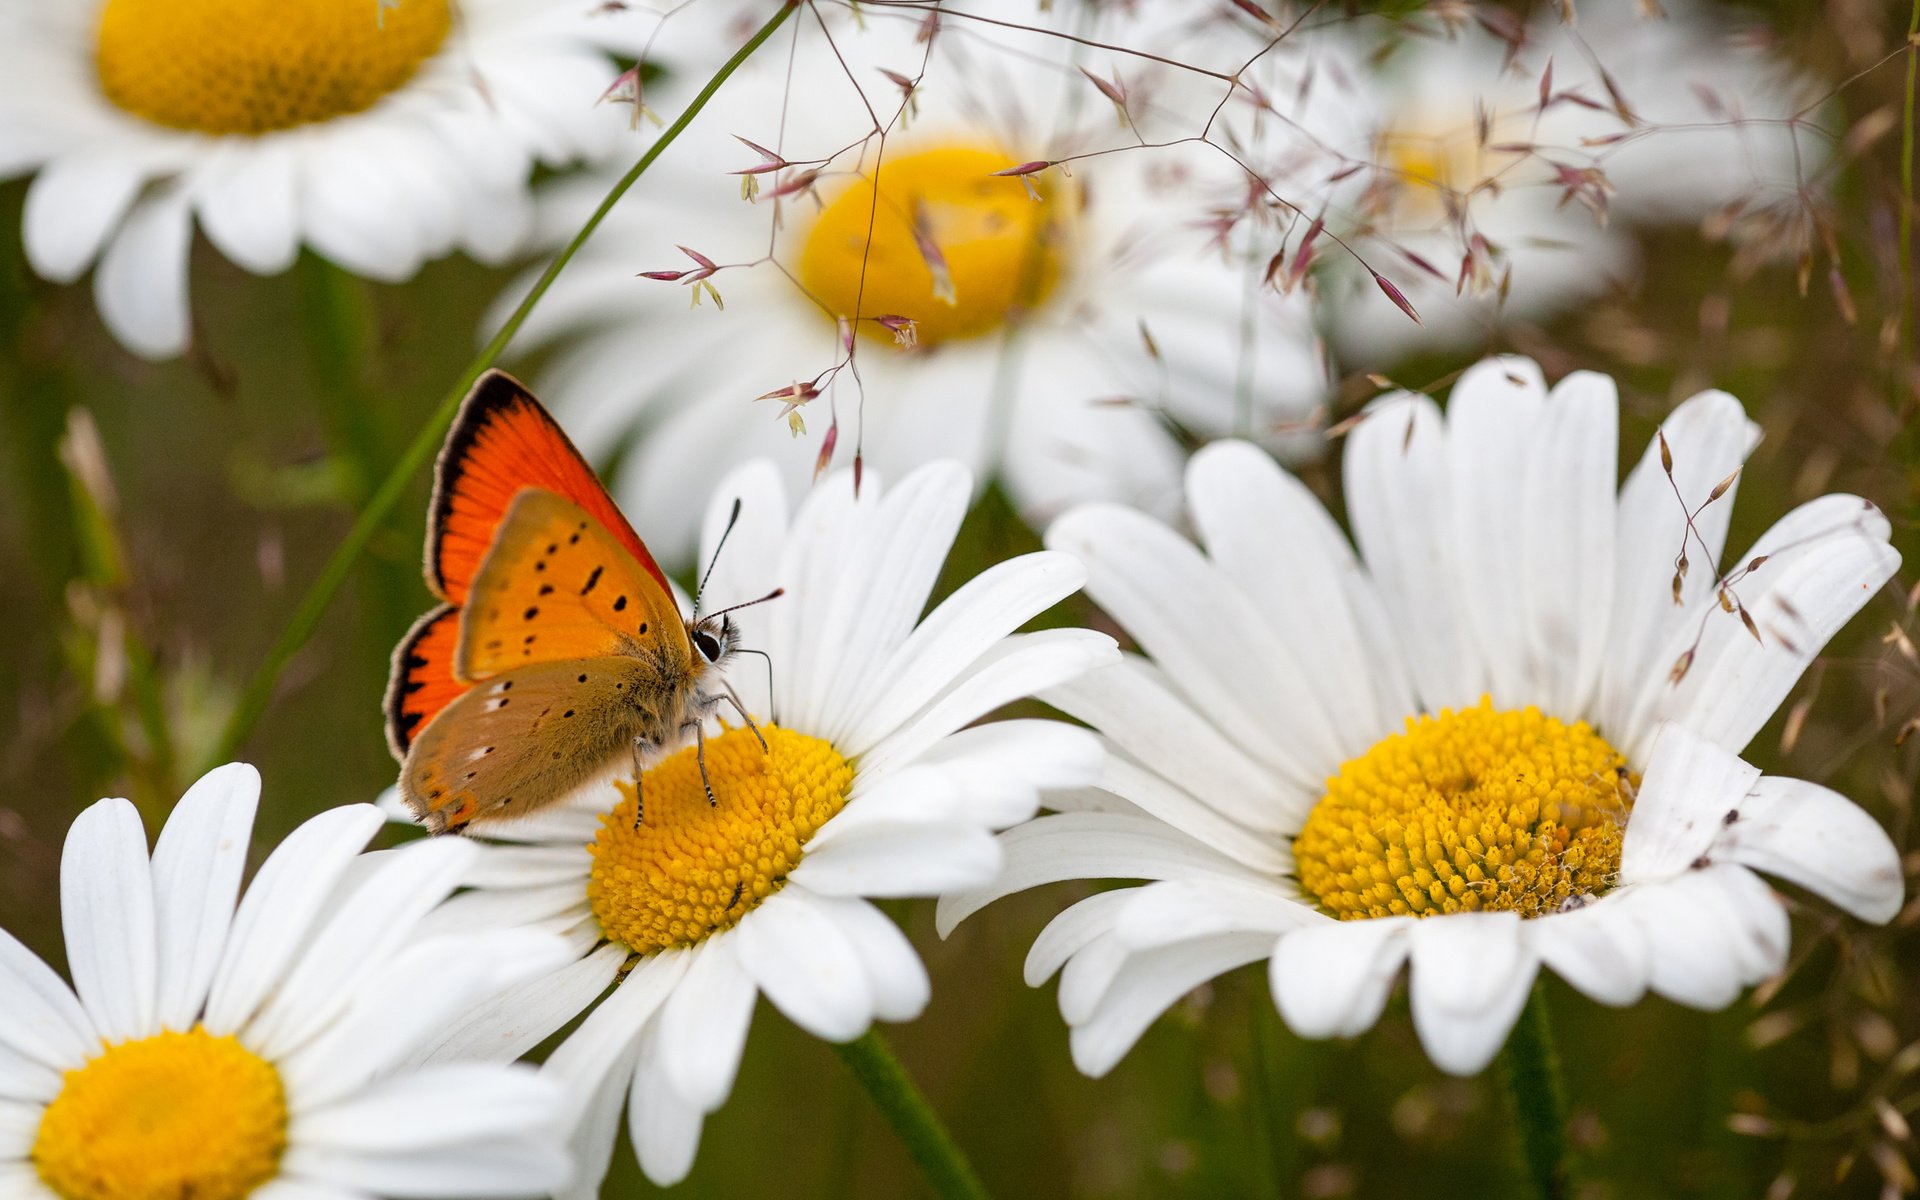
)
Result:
{"points": [[700, 741], [640, 747], [733, 698]]}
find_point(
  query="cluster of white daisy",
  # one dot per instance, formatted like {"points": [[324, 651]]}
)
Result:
{"points": [[1499, 729]]}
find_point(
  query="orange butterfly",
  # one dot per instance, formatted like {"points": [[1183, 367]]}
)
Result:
{"points": [[558, 646]]}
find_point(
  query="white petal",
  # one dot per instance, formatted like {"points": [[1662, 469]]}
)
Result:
{"points": [[801, 959], [506, 1026], [1332, 979], [664, 1126], [21, 1181], [357, 940], [901, 859], [1147, 986], [1258, 851], [196, 878], [1819, 839], [72, 205], [1072, 931], [1493, 414], [1274, 538], [1136, 706], [1400, 507], [141, 286], [1571, 518], [1088, 845], [1149, 579], [1709, 933], [1598, 949], [497, 1167], [1017, 667], [106, 907], [703, 1025], [443, 1105], [279, 909], [45, 1022], [1709, 437], [1001, 767], [1823, 562], [894, 972], [1689, 787], [1185, 910], [528, 866], [954, 635], [245, 198], [1469, 978]]}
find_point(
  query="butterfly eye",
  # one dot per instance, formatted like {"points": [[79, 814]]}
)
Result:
{"points": [[707, 645]]}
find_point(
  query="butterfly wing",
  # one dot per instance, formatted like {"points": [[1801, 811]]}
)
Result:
{"points": [[422, 681], [503, 441], [557, 585], [511, 745]]}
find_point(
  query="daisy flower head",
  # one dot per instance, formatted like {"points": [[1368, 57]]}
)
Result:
{"points": [[380, 133], [1491, 169], [873, 782], [216, 1050], [1502, 735], [861, 231]]}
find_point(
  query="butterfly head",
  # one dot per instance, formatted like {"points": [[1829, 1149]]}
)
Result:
{"points": [[715, 639]]}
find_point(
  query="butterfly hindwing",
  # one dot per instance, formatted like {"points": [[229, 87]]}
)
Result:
{"points": [[422, 681], [503, 441], [516, 742], [556, 585]]}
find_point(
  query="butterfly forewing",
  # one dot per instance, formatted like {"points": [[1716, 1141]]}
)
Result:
{"points": [[557, 586], [422, 681], [521, 740]]}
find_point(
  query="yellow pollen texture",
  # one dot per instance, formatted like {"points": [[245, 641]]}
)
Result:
{"points": [[693, 869], [254, 66], [953, 247], [1474, 810], [176, 1116]]}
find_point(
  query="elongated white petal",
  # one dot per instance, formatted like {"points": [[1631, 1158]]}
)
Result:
{"points": [[901, 859], [1331, 979], [45, 1021], [703, 1025], [72, 206], [1598, 949], [443, 1105], [664, 1125], [1147, 986], [141, 284], [1571, 519], [1469, 978], [1072, 930], [503, 1027], [106, 908], [796, 952], [196, 879], [895, 975], [1182, 910], [1819, 839], [1689, 787]]}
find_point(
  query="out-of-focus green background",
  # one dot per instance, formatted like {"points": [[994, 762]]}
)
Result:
{"points": [[233, 475]]}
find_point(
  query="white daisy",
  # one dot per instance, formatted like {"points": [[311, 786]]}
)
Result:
{"points": [[1429, 149], [381, 133], [217, 1052], [1451, 725], [873, 785], [1085, 315]]}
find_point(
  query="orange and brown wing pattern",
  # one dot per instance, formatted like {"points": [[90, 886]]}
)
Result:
{"points": [[502, 442], [422, 681]]}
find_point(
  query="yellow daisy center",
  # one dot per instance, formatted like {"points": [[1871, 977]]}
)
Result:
{"points": [[168, 1117], [692, 868], [1475, 810], [954, 248], [254, 66]]}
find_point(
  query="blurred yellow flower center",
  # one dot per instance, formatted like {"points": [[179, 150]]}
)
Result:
{"points": [[953, 247], [1475, 810], [168, 1117], [693, 869], [254, 66]]}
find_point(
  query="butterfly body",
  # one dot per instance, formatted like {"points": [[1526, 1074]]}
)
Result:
{"points": [[559, 650]]}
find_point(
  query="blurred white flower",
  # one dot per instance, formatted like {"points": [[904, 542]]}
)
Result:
{"points": [[1465, 723], [874, 783], [380, 133], [215, 1051], [1058, 330]]}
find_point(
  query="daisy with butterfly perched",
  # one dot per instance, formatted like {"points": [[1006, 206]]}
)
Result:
{"points": [[856, 772]]}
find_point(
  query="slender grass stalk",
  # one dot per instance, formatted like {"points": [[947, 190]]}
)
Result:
{"points": [[1530, 1067], [1906, 185], [313, 605], [893, 1092]]}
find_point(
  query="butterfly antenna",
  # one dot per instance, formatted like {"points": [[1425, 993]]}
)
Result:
{"points": [[733, 518], [775, 594]]}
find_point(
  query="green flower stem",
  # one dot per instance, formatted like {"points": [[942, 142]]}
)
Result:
{"points": [[1531, 1069], [1906, 181], [306, 618], [912, 1118]]}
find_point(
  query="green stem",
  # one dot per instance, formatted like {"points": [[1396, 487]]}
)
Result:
{"points": [[1531, 1069], [912, 1118], [259, 690]]}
